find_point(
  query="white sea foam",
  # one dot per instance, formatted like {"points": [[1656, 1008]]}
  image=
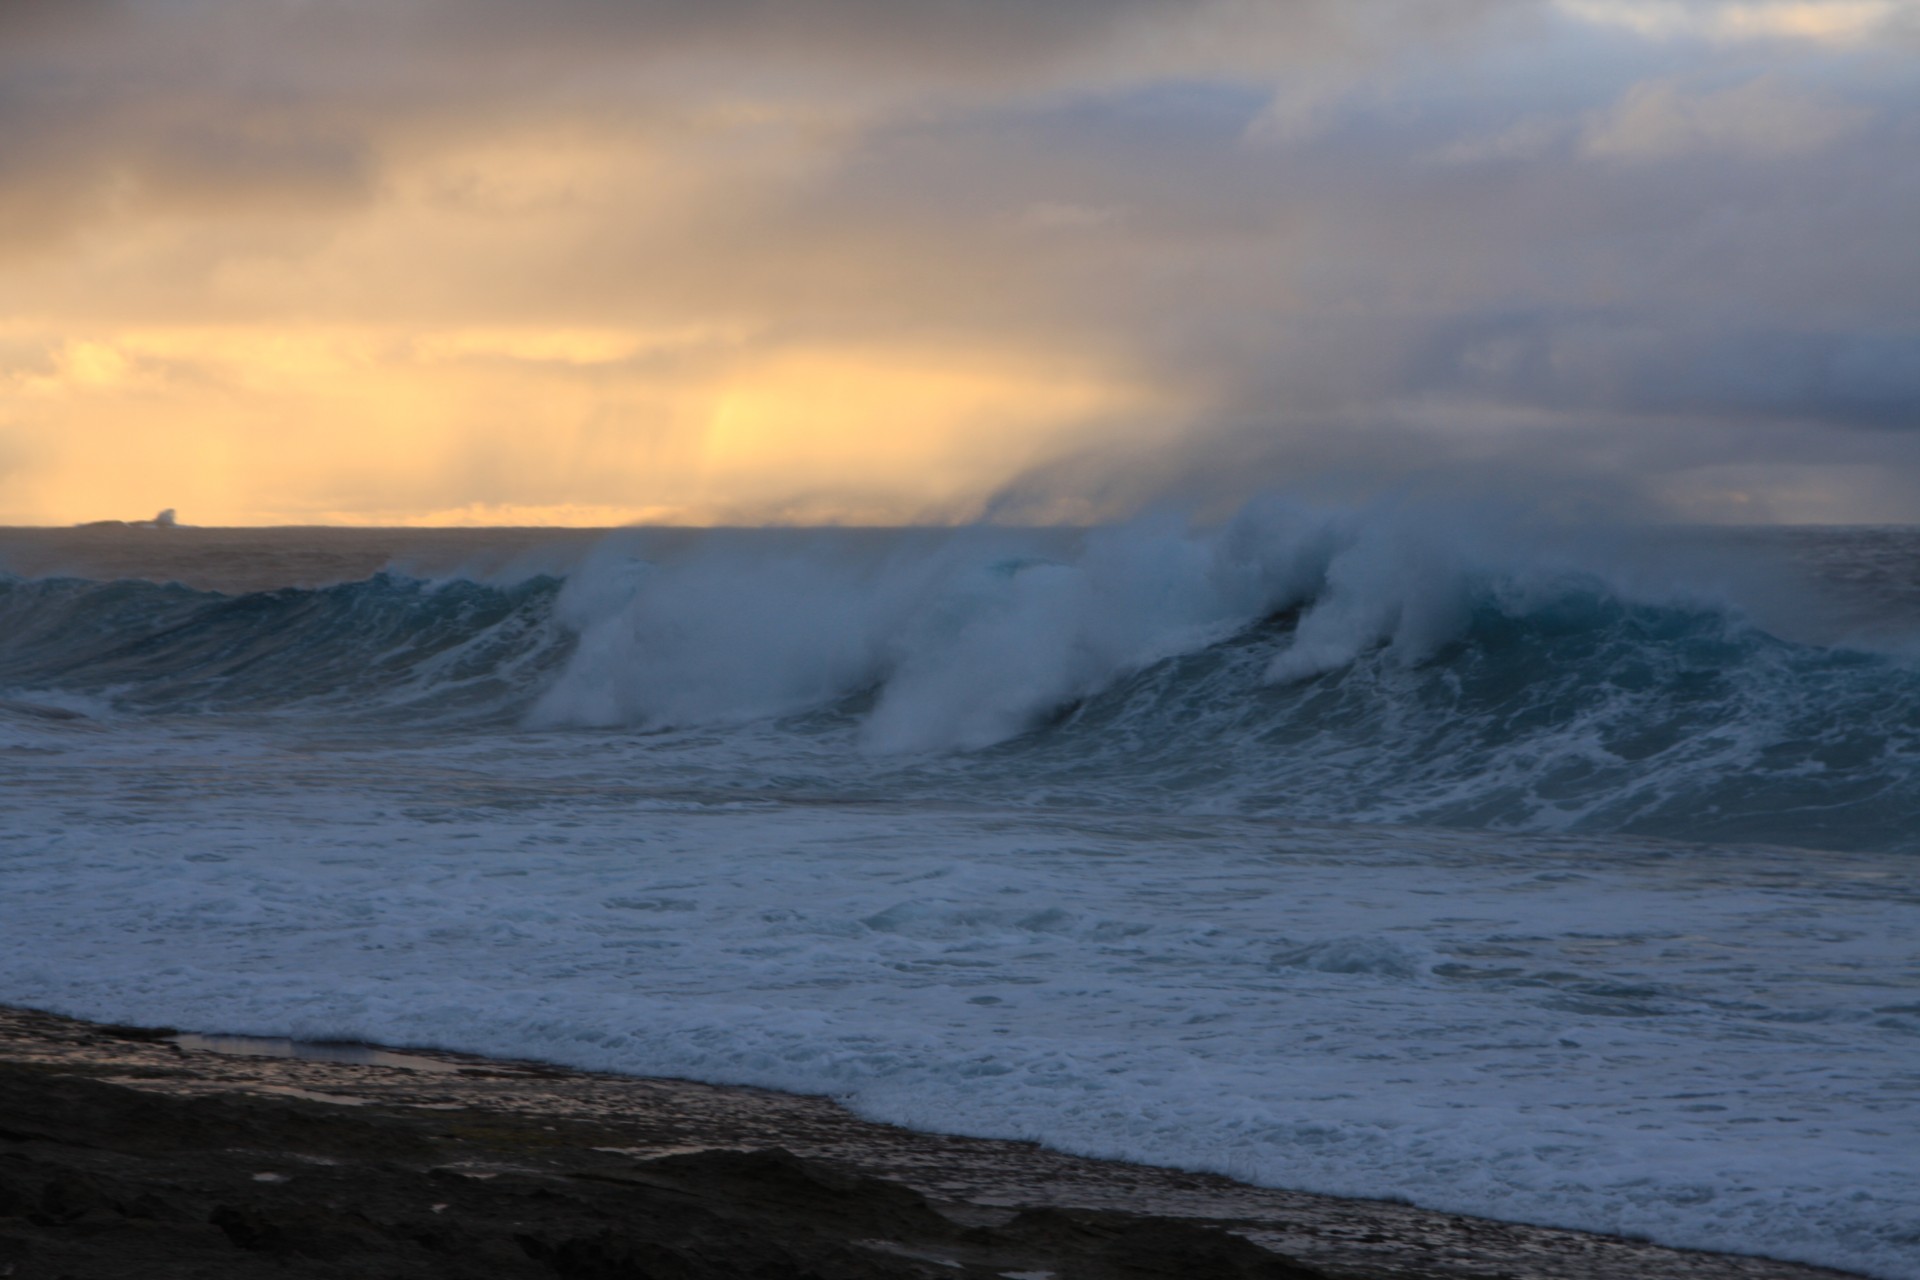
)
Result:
{"points": [[1713, 1048], [983, 831], [972, 638]]}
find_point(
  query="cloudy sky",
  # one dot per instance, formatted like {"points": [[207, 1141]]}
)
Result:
{"points": [[592, 261]]}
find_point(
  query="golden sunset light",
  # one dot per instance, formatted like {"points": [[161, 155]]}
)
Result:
{"points": [[890, 639], [243, 426], [316, 263]]}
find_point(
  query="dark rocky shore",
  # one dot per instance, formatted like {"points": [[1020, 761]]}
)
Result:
{"points": [[130, 1152]]}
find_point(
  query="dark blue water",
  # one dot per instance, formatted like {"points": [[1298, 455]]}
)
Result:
{"points": [[1309, 668]]}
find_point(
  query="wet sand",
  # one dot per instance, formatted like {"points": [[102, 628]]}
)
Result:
{"points": [[140, 1152]]}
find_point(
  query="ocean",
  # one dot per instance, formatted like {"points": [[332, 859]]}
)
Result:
{"points": [[1561, 875]]}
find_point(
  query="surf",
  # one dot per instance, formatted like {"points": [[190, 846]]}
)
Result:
{"points": [[1296, 662]]}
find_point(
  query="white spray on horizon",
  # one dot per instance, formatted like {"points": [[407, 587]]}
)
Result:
{"points": [[971, 637]]}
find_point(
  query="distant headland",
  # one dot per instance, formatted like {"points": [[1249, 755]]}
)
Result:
{"points": [[164, 520]]}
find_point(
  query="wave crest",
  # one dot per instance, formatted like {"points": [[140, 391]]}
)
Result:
{"points": [[1324, 665]]}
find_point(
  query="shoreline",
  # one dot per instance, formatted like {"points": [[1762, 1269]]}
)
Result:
{"points": [[375, 1138]]}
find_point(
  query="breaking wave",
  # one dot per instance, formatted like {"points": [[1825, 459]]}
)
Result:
{"points": [[1298, 663]]}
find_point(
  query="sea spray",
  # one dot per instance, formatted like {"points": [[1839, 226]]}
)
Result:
{"points": [[1554, 875], [1328, 665]]}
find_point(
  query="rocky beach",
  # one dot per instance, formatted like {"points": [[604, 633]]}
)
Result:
{"points": [[145, 1152]]}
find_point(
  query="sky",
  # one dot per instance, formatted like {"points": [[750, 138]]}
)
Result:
{"points": [[886, 261]]}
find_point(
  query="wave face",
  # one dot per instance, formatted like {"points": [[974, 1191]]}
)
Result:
{"points": [[1565, 709], [389, 646], [1315, 665]]}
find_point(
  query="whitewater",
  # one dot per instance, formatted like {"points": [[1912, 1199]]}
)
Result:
{"points": [[1561, 876]]}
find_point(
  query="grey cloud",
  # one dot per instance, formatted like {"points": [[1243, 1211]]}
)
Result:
{"points": [[1339, 300], [941, 30], [30, 19], [231, 103], [1349, 459], [1592, 466], [1652, 365], [990, 41], [109, 109], [1358, 314]]}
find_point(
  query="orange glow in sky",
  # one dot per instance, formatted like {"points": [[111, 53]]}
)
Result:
{"points": [[699, 261], [530, 427]]}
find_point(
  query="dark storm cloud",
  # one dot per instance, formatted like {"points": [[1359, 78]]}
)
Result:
{"points": [[107, 108], [940, 31], [1650, 365], [105, 105], [1372, 261], [26, 18], [1677, 271]]}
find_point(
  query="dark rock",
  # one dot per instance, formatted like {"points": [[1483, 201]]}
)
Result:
{"points": [[1114, 1246], [777, 1182]]}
